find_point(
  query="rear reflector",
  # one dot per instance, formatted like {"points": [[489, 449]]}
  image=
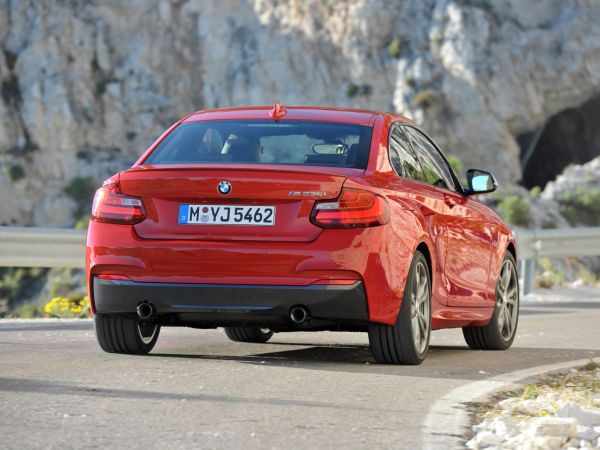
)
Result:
{"points": [[336, 282], [113, 277], [353, 209], [110, 206]]}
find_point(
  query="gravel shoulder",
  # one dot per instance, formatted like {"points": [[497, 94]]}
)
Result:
{"points": [[559, 411]]}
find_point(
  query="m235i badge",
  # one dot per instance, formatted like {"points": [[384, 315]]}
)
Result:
{"points": [[307, 194]]}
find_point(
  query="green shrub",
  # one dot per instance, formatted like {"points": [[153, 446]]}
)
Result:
{"points": [[352, 90], [82, 191], [587, 276], [535, 191], [355, 90], [95, 66], [85, 155], [17, 283], [15, 172], [11, 91], [82, 223], [26, 310], [550, 277], [395, 47], [10, 58], [591, 366], [424, 99], [64, 282], [437, 38], [581, 207], [514, 209], [410, 81]]}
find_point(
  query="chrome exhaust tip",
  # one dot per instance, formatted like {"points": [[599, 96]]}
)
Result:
{"points": [[298, 314], [145, 311]]}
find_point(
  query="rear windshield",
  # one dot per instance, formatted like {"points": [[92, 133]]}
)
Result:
{"points": [[265, 142]]}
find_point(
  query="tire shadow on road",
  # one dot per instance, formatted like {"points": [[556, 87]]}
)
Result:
{"points": [[454, 362]]}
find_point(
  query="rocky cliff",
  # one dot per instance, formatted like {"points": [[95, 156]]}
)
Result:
{"points": [[86, 86]]}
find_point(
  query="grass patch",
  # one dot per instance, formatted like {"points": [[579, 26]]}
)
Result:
{"points": [[531, 391]]}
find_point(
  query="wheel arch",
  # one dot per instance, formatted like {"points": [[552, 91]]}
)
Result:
{"points": [[512, 250], [423, 248]]}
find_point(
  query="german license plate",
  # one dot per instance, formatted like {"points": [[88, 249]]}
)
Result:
{"points": [[226, 215]]}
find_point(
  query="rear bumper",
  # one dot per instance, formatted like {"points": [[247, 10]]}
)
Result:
{"points": [[233, 303], [375, 256]]}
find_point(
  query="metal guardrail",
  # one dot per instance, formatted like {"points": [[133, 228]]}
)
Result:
{"points": [[553, 243], [42, 247], [60, 247]]}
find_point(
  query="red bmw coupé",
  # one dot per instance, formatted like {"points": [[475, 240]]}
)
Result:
{"points": [[264, 220]]}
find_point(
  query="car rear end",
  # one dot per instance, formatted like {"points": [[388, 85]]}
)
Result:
{"points": [[239, 219]]}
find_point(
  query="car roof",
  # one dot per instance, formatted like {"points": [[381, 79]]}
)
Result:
{"points": [[315, 113]]}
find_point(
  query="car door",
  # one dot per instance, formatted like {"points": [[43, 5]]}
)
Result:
{"points": [[468, 233], [415, 195]]}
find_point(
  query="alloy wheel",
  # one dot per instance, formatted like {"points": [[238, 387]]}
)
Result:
{"points": [[147, 331], [420, 308], [507, 301]]}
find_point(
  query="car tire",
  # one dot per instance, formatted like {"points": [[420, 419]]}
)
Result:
{"points": [[248, 334], [500, 333], [407, 341], [122, 334]]}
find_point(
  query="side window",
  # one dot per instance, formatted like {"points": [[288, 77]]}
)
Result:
{"points": [[435, 169], [402, 158]]}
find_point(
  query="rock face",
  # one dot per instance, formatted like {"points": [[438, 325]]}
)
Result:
{"points": [[86, 86]]}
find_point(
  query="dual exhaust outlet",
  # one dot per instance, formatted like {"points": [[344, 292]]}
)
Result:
{"points": [[298, 314]]}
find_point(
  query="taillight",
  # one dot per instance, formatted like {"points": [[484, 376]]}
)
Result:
{"points": [[111, 206], [353, 209]]}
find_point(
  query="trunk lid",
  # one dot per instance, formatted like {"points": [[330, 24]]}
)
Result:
{"points": [[291, 191]]}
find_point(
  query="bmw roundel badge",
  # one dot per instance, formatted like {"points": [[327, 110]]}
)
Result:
{"points": [[224, 187]]}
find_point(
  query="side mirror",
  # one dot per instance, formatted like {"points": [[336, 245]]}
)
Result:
{"points": [[480, 182]]}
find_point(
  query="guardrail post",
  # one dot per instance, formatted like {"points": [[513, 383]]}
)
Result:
{"points": [[528, 275]]}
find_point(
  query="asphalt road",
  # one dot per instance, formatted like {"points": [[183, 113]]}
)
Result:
{"points": [[301, 390]]}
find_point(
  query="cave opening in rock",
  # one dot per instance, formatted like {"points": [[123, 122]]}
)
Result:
{"points": [[570, 137]]}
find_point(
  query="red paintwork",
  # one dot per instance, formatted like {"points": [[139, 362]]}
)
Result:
{"points": [[465, 239]]}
